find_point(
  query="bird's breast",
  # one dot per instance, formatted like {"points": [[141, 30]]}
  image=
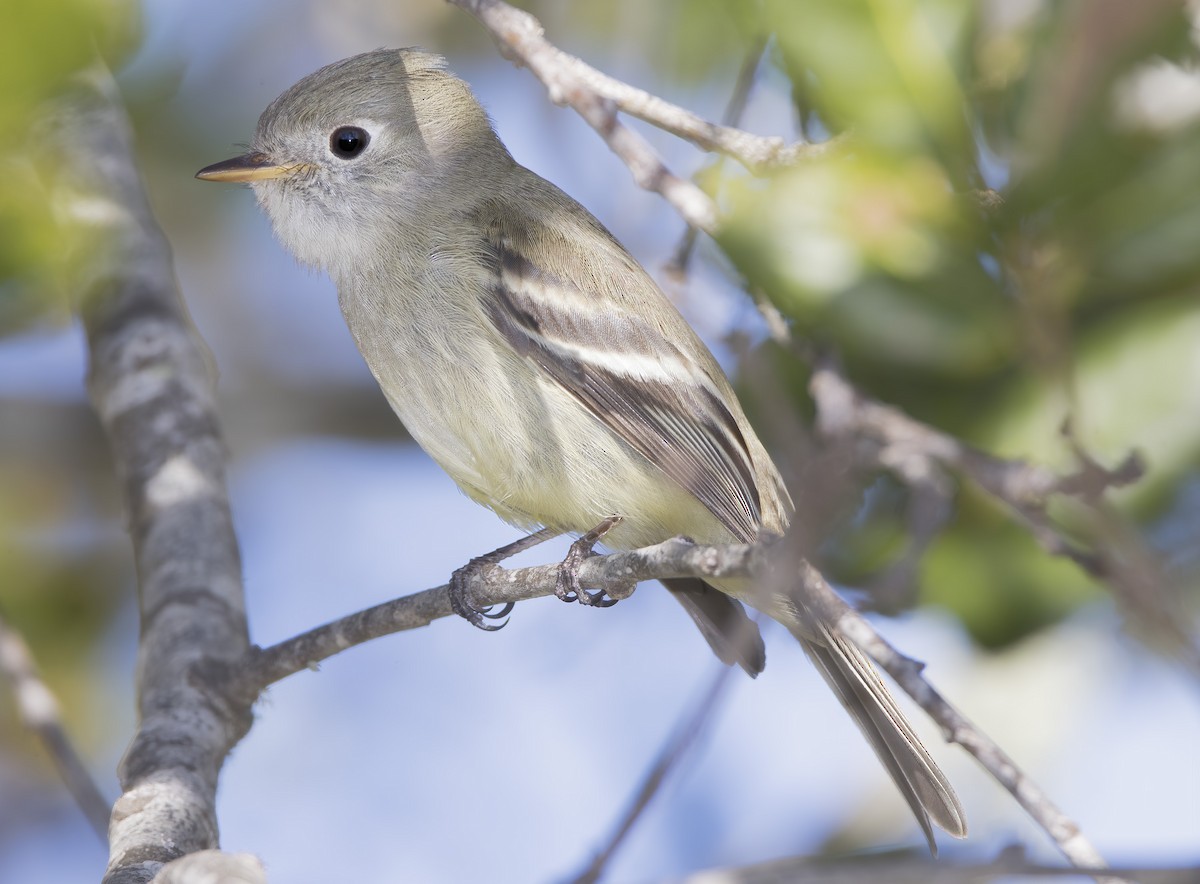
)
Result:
{"points": [[508, 434]]}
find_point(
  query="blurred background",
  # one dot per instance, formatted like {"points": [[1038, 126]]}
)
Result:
{"points": [[448, 754]]}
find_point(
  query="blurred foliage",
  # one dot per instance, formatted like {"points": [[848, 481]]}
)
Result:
{"points": [[1076, 296], [60, 598], [61, 585], [42, 45]]}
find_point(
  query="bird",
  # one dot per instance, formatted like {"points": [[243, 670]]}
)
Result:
{"points": [[536, 361]]}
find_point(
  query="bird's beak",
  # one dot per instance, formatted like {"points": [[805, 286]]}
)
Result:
{"points": [[253, 166]]}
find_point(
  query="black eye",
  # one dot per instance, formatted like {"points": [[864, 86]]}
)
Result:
{"points": [[348, 142]]}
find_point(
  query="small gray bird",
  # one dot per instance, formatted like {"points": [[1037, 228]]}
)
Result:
{"points": [[533, 358]]}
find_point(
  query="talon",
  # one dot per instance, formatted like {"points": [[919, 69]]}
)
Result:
{"points": [[598, 599], [457, 591], [564, 587], [567, 586], [504, 611]]}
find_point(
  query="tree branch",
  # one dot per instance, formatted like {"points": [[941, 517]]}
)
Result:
{"points": [[520, 37], [616, 573], [955, 726], [149, 382], [917, 453], [909, 447], [597, 98], [649, 171]]}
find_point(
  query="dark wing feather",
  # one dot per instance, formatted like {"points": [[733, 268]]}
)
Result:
{"points": [[723, 622], [682, 426]]}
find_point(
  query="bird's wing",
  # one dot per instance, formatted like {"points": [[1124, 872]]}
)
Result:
{"points": [[625, 369]]}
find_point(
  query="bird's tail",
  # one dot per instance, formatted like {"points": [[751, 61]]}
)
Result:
{"points": [[722, 620], [863, 694], [735, 639]]}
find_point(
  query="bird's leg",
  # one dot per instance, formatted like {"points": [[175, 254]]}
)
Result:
{"points": [[567, 586], [460, 579]]}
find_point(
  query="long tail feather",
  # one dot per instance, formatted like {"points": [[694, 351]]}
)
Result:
{"points": [[862, 692]]}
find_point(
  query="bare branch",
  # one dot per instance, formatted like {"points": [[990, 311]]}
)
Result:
{"points": [[149, 382], [894, 868], [909, 448], [597, 98], [670, 756], [521, 39], [957, 729], [649, 171], [918, 453], [616, 573], [39, 712]]}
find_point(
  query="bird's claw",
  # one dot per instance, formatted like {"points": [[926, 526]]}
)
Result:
{"points": [[457, 591], [567, 586], [461, 579]]}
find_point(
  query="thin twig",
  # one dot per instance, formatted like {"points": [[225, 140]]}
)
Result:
{"points": [[521, 39], [957, 729], [917, 453], [648, 169], [913, 450], [736, 106], [40, 713], [669, 758], [597, 98]]}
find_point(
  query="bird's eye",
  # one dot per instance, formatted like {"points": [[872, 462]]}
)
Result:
{"points": [[348, 142]]}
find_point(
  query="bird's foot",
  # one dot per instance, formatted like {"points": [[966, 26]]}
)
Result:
{"points": [[460, 582], [567, 586]]}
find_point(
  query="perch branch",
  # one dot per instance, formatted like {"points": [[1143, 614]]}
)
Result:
{"points": [[617, 573]]}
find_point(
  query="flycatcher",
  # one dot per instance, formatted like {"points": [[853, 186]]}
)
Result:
{"points": [[533, 358]]}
